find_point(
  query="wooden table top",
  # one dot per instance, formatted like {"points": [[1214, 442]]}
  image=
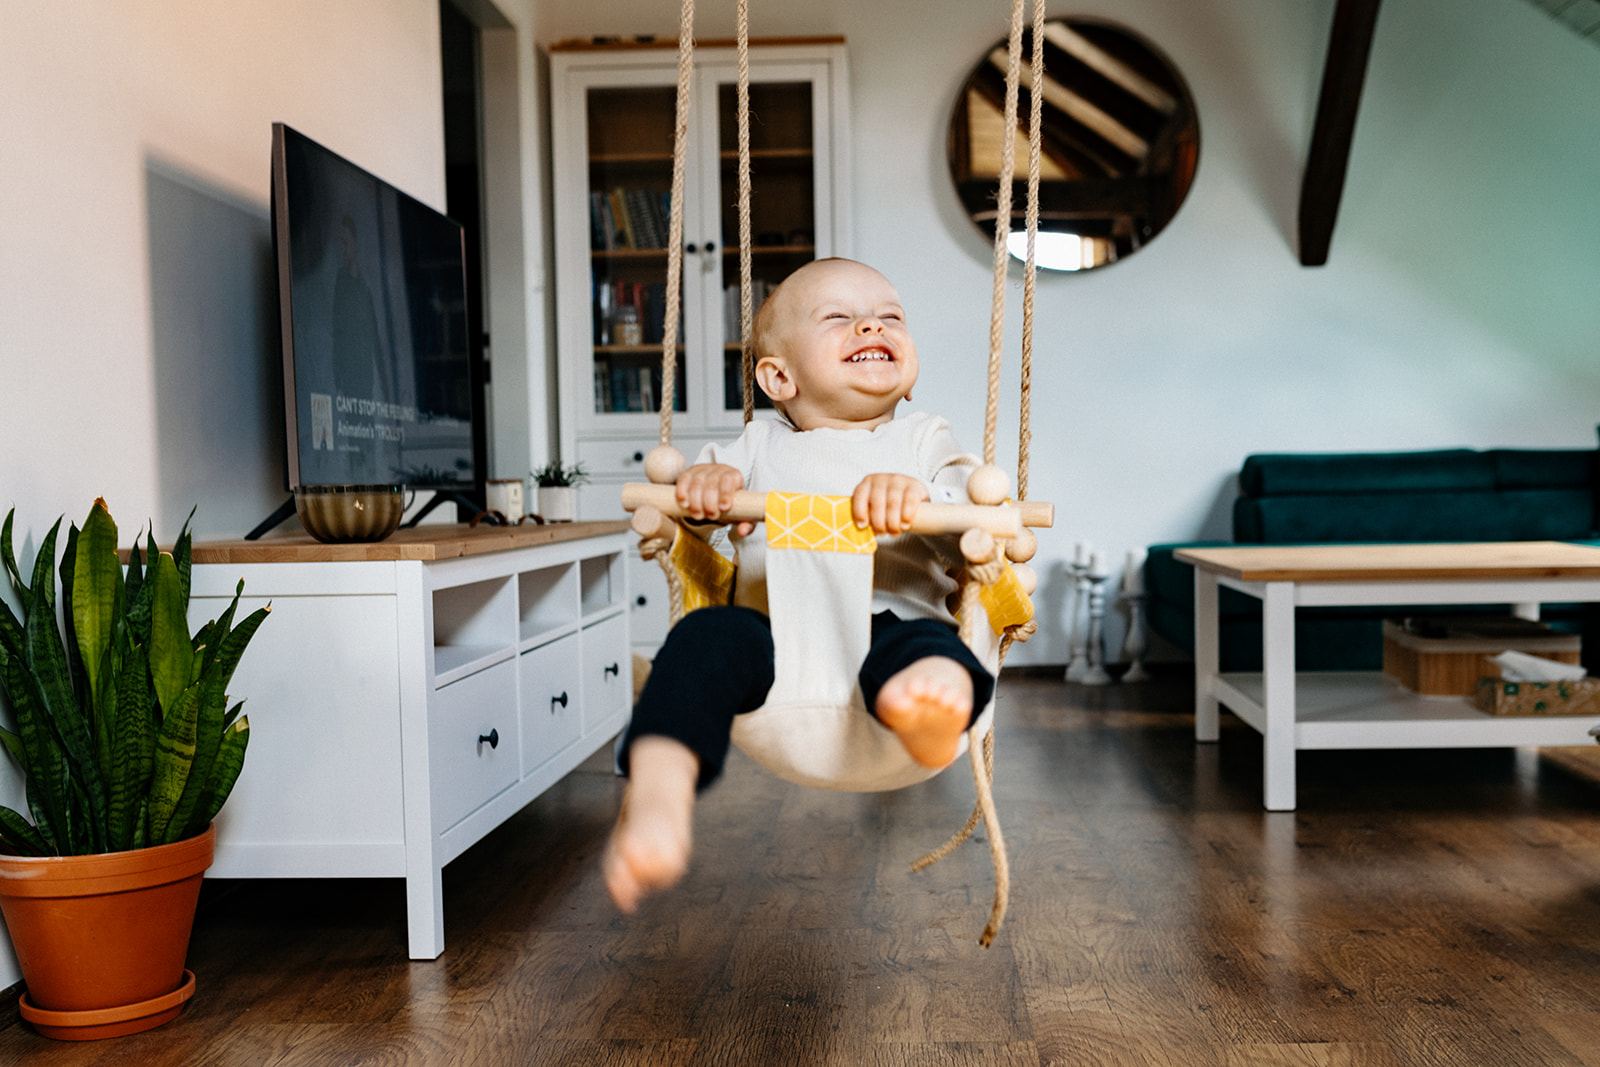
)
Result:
{"points": [[428, 542], [1397, 562]]}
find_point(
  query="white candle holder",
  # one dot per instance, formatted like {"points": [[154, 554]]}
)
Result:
{"points": [[1134, 643], [1095, 667], [1077, 602]]}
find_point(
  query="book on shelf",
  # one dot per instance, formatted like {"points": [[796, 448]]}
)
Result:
{"points": [[732, 317], [635, 217], [602, 231], [643, 211], [619, 215], [623, 385], [647, 392], [604, 305]]}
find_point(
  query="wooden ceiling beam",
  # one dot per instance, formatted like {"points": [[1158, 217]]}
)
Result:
{"points": [[1349, 45]]}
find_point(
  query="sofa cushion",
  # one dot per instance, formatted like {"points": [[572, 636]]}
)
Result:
{"points": [[1506, 515], [1451, 469], [1516, 468]]}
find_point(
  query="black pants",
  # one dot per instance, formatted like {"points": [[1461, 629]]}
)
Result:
{"points": [[718, 663]]}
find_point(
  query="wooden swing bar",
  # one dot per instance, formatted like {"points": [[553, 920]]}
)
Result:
{"points": [[1005, 522]]}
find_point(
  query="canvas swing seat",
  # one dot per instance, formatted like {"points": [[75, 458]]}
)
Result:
{"points": [[814, 728]]}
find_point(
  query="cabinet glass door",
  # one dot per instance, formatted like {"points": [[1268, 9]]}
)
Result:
{"points": [[629, 198], [784, 208]]}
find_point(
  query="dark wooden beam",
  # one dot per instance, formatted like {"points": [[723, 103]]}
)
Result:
{"points": [[1348, 48]]}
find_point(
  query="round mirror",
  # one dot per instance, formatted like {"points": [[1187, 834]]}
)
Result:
{"points": [[1118, 150]]}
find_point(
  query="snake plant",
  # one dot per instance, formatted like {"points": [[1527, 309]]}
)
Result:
{"points": [[123, 730]]}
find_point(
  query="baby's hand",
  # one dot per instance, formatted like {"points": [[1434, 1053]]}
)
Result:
{"points": [[887, 502], [706, 490]]}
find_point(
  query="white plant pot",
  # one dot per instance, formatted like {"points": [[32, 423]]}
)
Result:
{"points": [[558, 503]]}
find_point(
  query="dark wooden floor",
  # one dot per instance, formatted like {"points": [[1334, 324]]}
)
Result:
{"points": [[1419, 908]]}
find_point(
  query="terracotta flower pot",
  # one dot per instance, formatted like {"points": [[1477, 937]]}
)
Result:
{"points": [[102, 939]]}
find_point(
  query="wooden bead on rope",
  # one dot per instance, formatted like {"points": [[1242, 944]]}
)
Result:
{"points": [[1025, 577], [648, 522], [1023, 547], [977, 546], [663, 464], [988, 485]]}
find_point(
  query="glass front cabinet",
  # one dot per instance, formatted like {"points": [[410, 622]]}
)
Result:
{"points": [[612, 117]]}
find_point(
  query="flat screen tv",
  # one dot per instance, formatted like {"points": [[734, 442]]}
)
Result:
{"points": [[379, 384]]}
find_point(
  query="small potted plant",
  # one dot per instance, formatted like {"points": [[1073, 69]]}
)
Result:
{"points": [[128, 749], [557, 490]]}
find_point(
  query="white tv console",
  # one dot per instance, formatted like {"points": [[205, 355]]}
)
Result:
{"points": [[408, 696]]}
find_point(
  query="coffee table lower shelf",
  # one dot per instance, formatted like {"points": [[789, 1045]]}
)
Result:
{"points": [[1366, 709]]}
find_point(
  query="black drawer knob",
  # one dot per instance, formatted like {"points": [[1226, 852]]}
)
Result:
{"points": [[493, 737], [613, 669], [638, 457], [642, 601], [562, 700]]}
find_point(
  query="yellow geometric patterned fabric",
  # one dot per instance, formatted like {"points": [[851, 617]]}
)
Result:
{"points": [[815, 523], [707, 574], [1005, 601]]}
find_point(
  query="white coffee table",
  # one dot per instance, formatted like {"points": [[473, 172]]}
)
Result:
{"points": [[1360, 709]]}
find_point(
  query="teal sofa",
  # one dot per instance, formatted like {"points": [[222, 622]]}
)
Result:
{"points": [[1447, 495]]}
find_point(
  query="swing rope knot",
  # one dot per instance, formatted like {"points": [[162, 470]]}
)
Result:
{"points": [[986, 572], [656, 532]]}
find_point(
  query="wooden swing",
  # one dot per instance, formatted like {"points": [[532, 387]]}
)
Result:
{"points": [[813, 548]]}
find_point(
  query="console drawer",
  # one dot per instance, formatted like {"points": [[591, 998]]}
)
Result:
{"points": [[607, 669], [464, 771], [551, 714]]}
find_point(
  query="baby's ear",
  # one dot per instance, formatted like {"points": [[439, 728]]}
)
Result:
{"points": [[773, 377]]}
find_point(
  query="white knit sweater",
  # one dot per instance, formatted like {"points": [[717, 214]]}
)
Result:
{"points": [[908, 570]]}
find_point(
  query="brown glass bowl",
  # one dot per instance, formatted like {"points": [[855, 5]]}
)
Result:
{"points": [[335, 514]]}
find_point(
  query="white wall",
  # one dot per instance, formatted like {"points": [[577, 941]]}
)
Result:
{"points": [[1457, 307], [135, 240], [135, 258]]}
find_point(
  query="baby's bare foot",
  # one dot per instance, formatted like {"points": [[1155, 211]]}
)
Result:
{"points": [[927, 705], [649, 848]]}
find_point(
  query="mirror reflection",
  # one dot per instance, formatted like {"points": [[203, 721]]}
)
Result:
{"points": [[1120, 144]]}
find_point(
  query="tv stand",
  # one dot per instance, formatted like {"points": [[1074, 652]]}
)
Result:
{"points": [[460, 500], [284, 513], [443, 496], [409, 696]]}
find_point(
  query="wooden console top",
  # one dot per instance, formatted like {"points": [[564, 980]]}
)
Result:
{"points": [[429, 542], [1397, 562]]}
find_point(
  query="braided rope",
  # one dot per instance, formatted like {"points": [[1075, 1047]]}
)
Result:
{"points": [[660, 550], [747, 362], [680, 157], [1031, 269], [983, 761], [981, 750], [983, 780], [1002, 233]]}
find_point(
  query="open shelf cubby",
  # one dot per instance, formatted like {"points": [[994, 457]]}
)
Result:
{"points": [[473, 624], [547, 602], [601, 583]]}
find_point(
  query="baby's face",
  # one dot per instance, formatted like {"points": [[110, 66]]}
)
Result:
{"points": [[844, 346]]}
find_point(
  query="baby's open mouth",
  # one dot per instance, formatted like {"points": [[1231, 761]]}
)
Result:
{"points": [[870, 354]]}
